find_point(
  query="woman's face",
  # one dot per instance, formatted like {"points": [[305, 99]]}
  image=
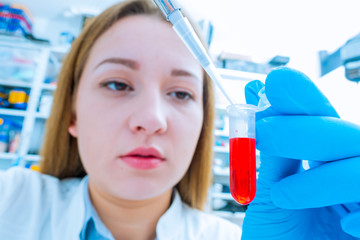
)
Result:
{"points": [[138, 112]]}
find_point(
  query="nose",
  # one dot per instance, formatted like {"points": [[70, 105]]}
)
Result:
{"points": [[149, 115]]}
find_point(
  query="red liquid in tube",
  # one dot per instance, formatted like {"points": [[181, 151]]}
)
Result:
{"points": [[242, 169]]}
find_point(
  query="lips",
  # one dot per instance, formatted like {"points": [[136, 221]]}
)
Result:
{"points": [[143, 158]]}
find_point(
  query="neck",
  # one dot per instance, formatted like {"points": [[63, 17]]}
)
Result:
{"points": [[129, 219]]}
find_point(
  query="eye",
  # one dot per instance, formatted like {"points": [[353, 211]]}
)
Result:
{"points": [[117, 86], [181, 95]]}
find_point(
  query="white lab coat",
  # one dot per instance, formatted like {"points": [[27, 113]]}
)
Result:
{"points": [[35, 206]]}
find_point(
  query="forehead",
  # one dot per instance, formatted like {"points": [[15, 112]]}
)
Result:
{"points": [[146, 39]]}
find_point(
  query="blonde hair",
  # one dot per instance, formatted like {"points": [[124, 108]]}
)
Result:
{"points": [[60, 155]]}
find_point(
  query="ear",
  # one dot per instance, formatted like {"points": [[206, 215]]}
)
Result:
{"points": [[73, 127]]}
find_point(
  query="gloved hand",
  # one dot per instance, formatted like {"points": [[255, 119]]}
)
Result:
{"points": [[301, 124]]}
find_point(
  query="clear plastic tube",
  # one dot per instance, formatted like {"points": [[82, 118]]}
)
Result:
{"points": [[242, 152], [242, 144]]}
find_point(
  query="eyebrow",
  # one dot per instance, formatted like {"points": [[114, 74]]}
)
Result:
{"points": [[122, 61], [182, 73], [135, 66]]}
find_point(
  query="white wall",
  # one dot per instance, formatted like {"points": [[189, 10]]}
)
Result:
{"points": [[298, 29], [343, 94]]}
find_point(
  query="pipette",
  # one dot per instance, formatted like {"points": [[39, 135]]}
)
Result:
{"points": [[187, 34]]}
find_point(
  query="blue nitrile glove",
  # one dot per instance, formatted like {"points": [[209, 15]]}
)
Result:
{"points": [[301, 124]]}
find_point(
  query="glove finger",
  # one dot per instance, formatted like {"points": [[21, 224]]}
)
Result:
{"points": [[329, 184], [251, 95], [292, 93], [308, 137], [271, 170], [251, 92], [350, 223], [313, 164]]}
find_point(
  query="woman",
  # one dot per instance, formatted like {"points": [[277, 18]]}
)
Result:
{"points": [[127, 151]]}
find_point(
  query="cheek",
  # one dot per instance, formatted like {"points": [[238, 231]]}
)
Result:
{"points": [[186, 132], [89, 141], [99, 129]]}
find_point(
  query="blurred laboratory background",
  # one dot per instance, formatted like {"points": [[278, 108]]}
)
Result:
{"points": [[246, 39]]}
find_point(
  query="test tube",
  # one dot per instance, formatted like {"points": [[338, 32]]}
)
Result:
{"points": [[242, 152]]}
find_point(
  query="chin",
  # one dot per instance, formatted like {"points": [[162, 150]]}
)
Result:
{"points": [[138, 196], [140, 192]]}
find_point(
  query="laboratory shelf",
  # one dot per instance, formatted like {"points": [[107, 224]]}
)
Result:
{"points": [[221, 133], [8, 160], [15, 83], [14, 156], [39, 115], [18, 42], [32, 158], [8, 156], [12, 112], [221, 175], [50, 87], [222, 179], [46, 62], [60, 52], [221, 171], [218, 149], [224, 196]]}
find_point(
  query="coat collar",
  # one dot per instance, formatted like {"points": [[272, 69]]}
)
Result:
{"points": [[75, 212], [170, 224]]}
